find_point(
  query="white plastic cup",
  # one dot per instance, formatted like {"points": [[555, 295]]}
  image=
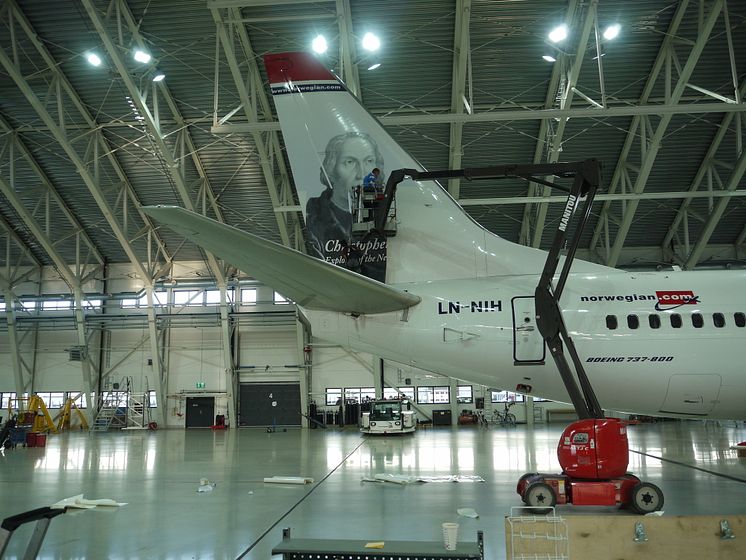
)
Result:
{"points": [[450, 535]]}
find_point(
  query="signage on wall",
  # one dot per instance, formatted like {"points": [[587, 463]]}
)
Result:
{"points": [[200, 384]]}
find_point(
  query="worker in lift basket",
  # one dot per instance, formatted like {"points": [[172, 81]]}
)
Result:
{"points": [[373, 182]]}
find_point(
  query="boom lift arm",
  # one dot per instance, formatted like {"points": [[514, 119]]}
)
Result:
{"points": [[587, 178]]}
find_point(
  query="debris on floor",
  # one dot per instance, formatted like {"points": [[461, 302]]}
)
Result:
{"points": [[205, 485], [288, 480], [467, 512], [79, 502], [407, 479]]}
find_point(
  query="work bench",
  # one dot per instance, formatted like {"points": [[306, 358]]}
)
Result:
{"points": [[338, 549]]}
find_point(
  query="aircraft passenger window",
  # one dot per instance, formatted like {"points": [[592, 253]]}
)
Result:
{"points": [[719, 320], [611, 322], [740, 319], [675, 320], [655, 321], [633, 321], [697, 320]]}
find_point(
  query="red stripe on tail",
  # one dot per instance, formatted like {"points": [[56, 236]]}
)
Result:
{"points": [[296, 66]]}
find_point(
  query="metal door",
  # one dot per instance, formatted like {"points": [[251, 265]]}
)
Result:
{"points": [[200, 412], [692, 394], [269, 404], [528, 345]]}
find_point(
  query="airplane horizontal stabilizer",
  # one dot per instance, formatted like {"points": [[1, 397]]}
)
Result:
{"points": [[310, 282]]}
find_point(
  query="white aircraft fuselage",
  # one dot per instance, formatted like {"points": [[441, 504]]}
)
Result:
{"points": [[483, 330]]}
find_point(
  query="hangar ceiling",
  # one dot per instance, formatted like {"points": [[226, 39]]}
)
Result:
{"points": [[460, 84]]}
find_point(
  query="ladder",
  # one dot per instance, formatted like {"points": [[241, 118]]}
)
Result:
{"points": [[111, 413]]}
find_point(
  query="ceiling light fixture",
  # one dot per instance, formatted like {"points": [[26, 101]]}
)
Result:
{"points": [[158, 76], [374, 66], [558, 34], [549, 58], [142, 56], [319, 45], [612, 32], [371, 42], [93, 59]]}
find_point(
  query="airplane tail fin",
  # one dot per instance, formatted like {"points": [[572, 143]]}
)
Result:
{"points": [[333, 146]]}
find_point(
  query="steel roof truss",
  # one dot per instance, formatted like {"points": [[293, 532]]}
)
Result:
{"points": [[567, 90], [150, 114], [461, 55], [229, 27], [706, 167], [650, 147], [55, 120]]}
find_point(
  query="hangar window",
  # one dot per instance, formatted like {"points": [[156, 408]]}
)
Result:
{"points": [[2, 306], [5, 400], [465, 394], [697, 320], [56, 304], [142, 301], [212, 297], [248, 296], [79, 399], [52, 399], [189, 297], [391, 393], [611, 322], [506, 396], [434, 395], [333, 396], [675, 320], [719, 320], [280, 300], [740, 319], [655, 321], [359, 394], [152, 402], [633, 321]]}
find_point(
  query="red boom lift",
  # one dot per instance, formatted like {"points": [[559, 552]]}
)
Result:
{"points": [[594, 451]]}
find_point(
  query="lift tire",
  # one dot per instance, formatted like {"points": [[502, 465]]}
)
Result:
{"points": [[520, 480], [540, 497], [646, 498]]}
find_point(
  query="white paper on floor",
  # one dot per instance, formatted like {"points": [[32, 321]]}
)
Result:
{"points": [[407, 479], [467, 512], [79, 502], [289, 480]]}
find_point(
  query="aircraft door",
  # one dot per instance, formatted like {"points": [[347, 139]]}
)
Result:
{"points": [[692, 394], [528, 345]]}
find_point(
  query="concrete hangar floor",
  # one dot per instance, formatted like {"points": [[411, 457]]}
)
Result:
{"points": [[158, 473]]}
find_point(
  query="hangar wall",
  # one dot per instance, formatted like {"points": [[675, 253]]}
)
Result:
{"points": [[266, 346]]}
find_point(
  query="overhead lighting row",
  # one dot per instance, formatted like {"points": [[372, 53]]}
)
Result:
{"points": [[370, 42], [561, 32], [141, 56]]}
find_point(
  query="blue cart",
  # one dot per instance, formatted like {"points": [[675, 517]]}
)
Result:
{"points": [[18, 436]]}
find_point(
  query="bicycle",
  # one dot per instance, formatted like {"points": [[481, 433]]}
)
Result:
{"points": [[504, 417], [482, 420]]}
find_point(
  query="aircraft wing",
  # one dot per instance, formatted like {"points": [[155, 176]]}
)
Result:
{"points": [[308, 281]]}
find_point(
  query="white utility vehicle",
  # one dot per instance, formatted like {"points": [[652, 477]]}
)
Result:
{"points": [[388, 417]]}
